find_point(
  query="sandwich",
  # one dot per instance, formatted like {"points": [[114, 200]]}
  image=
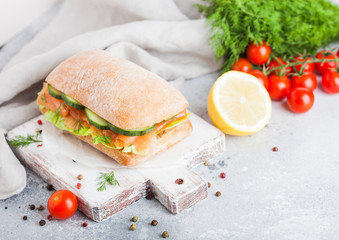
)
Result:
{"points": [[121, 109]]}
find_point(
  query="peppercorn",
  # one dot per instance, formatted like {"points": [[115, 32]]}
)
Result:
{"points": [[134, 219], [154, 223], [40, 208], [50, 187], [37, 130], [275, 149], [24, 217], [79, 185], [222, 175], [209, 184], [133, 227], [32, 206], [80, 176], [165, 234], [42, 222], [149, 196], [207, 163], [49, 217], [40, 145], [39, 122], [179, 181], [218, 194], [6, 207], [85, 224]]}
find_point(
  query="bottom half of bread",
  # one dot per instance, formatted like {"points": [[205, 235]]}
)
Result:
{"points": [[164, 141]]}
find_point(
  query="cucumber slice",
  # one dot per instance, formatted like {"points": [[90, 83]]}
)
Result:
{"points": [[72, 102], [54, 92], [131, 132], [95, 120]]}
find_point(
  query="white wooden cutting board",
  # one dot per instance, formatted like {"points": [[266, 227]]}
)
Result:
{"points": [[158, 175]]}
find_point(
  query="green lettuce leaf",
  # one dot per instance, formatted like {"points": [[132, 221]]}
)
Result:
{"points": [[58, 121]]}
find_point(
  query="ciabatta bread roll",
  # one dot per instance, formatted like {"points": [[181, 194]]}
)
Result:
{"points": [[121, 109]]}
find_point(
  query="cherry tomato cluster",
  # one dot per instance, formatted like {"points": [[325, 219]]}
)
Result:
{"points": [[294, 79]]}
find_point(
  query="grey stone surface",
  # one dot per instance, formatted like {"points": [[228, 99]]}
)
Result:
{"points": [[289, 194]]}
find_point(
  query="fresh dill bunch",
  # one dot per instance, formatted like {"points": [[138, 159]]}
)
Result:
{"points": [[106, 178], [289, 26], [22, 141]]}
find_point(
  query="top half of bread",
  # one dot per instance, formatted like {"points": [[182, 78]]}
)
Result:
{"points": [[118, 90]]}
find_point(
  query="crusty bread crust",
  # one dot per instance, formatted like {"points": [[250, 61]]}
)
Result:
{"points": [[171, 137], [119, 91]]}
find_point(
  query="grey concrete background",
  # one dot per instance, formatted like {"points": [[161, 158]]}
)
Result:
{"points": [[289, 194]]}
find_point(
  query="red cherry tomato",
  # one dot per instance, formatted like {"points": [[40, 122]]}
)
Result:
{"points": [[300, 100], [326, 66], [62, 204], [307, 80], [278, 63], [330, 82], [308, 67], [258, 54], [261, 77], [242, 65], [278, 87]]}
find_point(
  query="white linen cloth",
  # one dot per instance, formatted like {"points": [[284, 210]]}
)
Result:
{"points": [[167, 37]]}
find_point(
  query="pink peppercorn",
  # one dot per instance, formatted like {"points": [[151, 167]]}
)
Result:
{"points": [[222, 175], [39, 122], [85, 224], [79, 185]]}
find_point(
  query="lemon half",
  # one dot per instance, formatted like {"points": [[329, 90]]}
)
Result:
{"points": [[238, 104]]}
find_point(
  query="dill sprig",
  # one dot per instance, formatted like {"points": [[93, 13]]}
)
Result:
{"points": [[43, 98], [58, 110], [22, 141], [102, 138], [106, 178], [77, 125], [289, 26]]}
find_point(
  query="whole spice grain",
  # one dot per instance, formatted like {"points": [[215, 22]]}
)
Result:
{"points": [[42, 222], [179, 181], [39, 122], [85, 224], [134, 219], [218, 194], [207, 163], [50, 187], [275, 149], [6, 207], [40, 208], [40, 145], [133, 227], [49, 217], [80, 177], [79, 185], [209, 184], [154, 222], [37, 130], [149, 196], [32, 206], [24, 217], [165, 234], [222, 175]]}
